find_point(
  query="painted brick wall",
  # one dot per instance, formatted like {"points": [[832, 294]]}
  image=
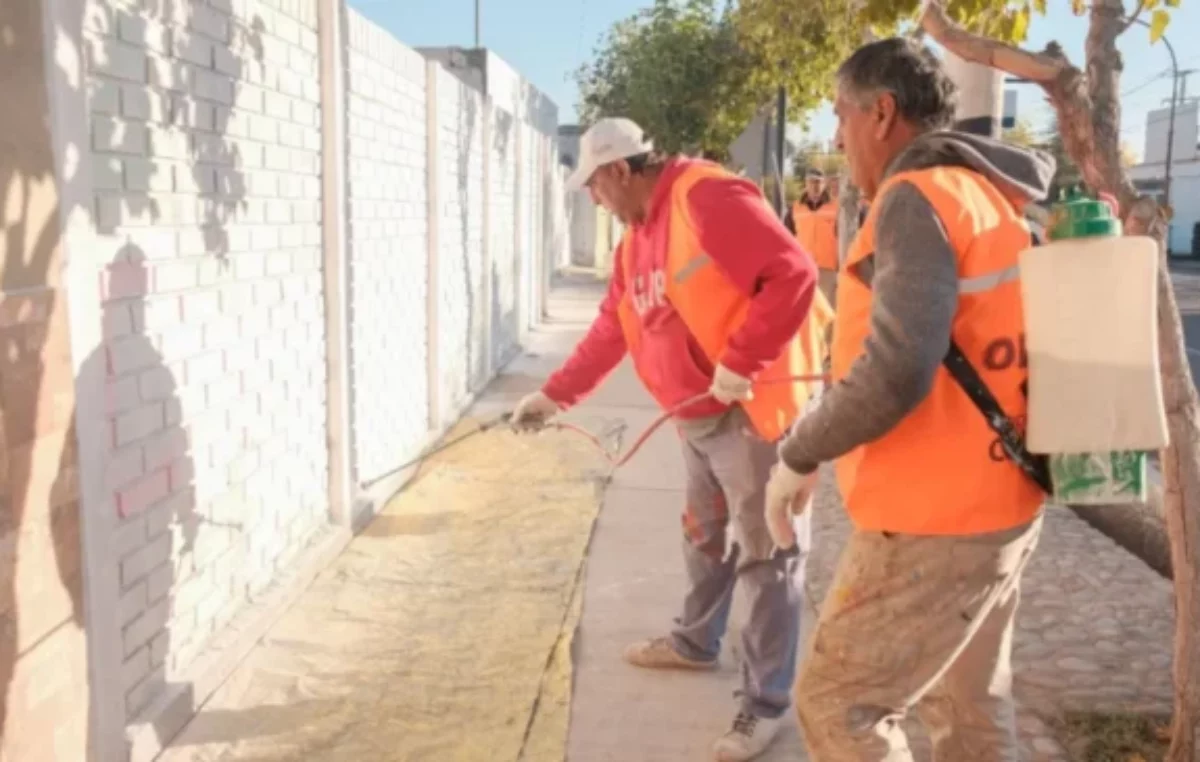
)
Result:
{"points": [[461, 324], [388, 252], [504, 270], [43, 652], [203, 157], [205, 146], [531, 188]]}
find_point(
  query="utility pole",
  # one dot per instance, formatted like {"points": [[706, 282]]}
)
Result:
{"points": [[1171, 125], [1183, 77], [477, 35], [781, 145]]}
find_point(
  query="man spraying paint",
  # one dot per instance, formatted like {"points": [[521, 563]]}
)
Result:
{"points": [[712, 298], [921, 611]]}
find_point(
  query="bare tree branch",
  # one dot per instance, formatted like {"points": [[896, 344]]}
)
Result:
{"points": [[1133, 18], [1043, 68], [1065, 85]]}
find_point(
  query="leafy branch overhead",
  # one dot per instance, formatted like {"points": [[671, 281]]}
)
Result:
{"points": [[694, 75], [676, 68]]}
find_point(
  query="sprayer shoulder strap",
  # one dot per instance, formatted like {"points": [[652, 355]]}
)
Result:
{"points": [[961, 370]]}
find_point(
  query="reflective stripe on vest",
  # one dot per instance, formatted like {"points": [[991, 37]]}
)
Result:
{"points": [[713, 309], [940, 469], [864, 269]]}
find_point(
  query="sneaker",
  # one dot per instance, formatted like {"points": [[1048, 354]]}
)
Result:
{"points": [[660, 653], [749, 737]]}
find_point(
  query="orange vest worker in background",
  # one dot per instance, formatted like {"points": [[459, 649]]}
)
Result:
{"points": [[813, 218]]}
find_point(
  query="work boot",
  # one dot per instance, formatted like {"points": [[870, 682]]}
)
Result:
{"points": [[660, 653], [749, 737]]}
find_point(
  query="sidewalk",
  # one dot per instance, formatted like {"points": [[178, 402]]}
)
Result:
{"points": [[1094, 630]]}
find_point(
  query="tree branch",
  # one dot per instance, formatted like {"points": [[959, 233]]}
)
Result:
{"points": [[1065, 86], [1133, 17], [1043, 68]]}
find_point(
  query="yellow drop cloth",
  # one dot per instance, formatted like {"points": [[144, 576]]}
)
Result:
{"points": [[442, 633]]}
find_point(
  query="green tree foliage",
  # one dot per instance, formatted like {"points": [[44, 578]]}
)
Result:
{"points": [[798, 44], [676, 68], [1067, 173], [1021, 134], [814, 155]]}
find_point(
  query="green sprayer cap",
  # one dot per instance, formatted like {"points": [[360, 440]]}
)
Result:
{"points": [[1079, 216]]}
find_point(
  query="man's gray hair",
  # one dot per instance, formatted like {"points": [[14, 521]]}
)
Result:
{"points": [[925, 96]]}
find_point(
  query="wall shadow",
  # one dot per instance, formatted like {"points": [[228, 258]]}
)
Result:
{"points": [[474, 351], [148, 462], [37, 508], [505, 328]]}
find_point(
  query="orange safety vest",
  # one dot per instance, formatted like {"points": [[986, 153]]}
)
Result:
{"points": [[713, 309], [816, 230], [941, 470]]}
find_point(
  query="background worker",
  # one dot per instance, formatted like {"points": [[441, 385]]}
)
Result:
{"points": [[702, 245], [921, 610], [813, 218]]}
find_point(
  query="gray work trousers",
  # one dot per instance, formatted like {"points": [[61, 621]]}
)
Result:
{"points": [[727, 470]]}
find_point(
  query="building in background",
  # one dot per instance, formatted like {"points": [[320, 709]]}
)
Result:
{"points": [[1150, 175], [1009, 118], [593, 232]]}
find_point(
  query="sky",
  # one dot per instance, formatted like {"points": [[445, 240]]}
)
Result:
{"points": [[548, 40]]}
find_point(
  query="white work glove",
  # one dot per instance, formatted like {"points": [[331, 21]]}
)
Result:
{"points": [[789, 494], [728, 387], [533, 411]]}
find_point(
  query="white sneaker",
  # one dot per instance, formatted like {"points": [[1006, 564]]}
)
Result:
{"points": [[749, 737]]}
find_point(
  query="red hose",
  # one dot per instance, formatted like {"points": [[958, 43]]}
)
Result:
{"points": [[616, 460]]}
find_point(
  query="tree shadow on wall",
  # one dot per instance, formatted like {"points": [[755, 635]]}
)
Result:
{"points": [[39, 516], [165, 480], [174, 212]]}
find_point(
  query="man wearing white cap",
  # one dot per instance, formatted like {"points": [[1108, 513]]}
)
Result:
{"points": [[711, 296]]}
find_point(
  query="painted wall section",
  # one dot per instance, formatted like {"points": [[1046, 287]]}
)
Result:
{"points": [[195, 368], [205, 161], [43, 652]]}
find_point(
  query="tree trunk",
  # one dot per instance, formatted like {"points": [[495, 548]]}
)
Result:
{"points": [[1089, 117], [1181, 478], [1181, 459]]}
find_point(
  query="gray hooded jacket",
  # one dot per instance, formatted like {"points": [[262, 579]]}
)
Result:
{"points": [[915, 298]]}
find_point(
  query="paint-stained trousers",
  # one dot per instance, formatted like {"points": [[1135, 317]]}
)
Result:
{"points": [[727, 470], [916, 622]]}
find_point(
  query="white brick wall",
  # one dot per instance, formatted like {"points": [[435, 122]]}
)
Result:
{"points": [[530, 190], [460, 238], [388, 252], [502, 250], [205, 158], [205, 151]]}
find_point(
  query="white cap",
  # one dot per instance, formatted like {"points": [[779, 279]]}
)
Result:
{"points": [[606, 141]]}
